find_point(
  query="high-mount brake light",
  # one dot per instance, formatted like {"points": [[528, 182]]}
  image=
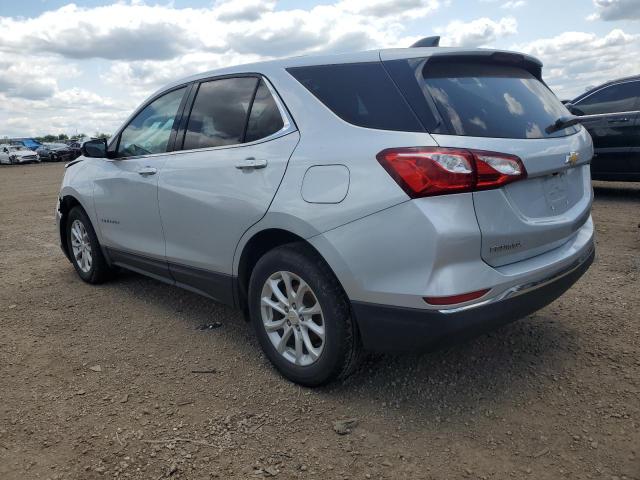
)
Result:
{"points": [[429, 171]]}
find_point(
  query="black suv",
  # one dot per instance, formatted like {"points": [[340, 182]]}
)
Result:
{"points": [[616, 140]]}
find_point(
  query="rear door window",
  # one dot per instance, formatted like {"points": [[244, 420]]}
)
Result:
{"points": [[487, 100], [219, 113], [622, 97], [362, 94], [265, 118]]}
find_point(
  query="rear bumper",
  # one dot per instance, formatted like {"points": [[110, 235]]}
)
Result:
{"points": [[385, 328]]}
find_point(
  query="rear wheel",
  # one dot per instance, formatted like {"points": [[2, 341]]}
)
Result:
{"points": [[84, 249], [302, 316]]}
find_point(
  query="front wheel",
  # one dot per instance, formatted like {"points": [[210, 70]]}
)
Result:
{"points": [[84, 249], [302, 316]]}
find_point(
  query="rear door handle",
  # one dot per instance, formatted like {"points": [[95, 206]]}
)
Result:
{"points": [[619, 120], [146, 171], [251, 163]]}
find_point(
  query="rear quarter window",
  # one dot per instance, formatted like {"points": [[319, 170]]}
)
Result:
{"points": [[359, 93]]}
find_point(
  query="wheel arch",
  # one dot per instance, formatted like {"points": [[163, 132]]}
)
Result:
{"points": [[68, 200], [259, 243]]}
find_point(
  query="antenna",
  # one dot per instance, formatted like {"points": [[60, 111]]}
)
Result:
{"points": [[427, 42]]}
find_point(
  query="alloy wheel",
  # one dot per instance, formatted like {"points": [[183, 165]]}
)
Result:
{"points": [[293, 318], [81, 246]]}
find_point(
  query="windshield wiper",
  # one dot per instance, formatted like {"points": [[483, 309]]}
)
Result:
{"points": [[569, 120]]}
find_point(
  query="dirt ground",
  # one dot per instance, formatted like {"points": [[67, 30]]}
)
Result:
{"points": [[101, 382]]}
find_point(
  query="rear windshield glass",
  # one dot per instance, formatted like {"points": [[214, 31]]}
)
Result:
{"points": [[359, 93], [482, 100]]}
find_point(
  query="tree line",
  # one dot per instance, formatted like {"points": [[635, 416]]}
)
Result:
{"points": [[62, 137]]}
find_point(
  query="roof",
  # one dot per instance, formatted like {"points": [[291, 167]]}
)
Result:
{"points": [[357, 57], [606, 84]]}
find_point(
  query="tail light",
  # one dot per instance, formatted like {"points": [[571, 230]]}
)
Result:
{"points": [[428, 171]]}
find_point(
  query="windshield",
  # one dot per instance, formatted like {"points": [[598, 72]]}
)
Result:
{"points": [[487, 100]]}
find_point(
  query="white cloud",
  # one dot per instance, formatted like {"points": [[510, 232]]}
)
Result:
{"points": [[32, 78], [476, 33], [512, 4], [142, 46], [574, 61], [137, 31], [612, 10], [59, 69], [242, 10]]}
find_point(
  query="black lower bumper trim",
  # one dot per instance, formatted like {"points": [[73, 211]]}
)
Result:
{"points": [[385, 328]]}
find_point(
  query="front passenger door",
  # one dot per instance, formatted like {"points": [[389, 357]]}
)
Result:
{"points": [[616, 141], [126, 187]]}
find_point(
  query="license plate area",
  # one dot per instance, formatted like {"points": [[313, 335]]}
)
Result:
{"points": [[555, 189]]}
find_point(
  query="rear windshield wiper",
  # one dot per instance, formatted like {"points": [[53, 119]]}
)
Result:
{"points": [[569, 120]]}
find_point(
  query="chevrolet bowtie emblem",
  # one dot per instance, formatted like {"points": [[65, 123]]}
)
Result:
{"points": [[572, 158]]}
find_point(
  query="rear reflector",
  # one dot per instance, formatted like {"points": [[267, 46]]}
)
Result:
{"points": [[454, 299], [428, 171]]}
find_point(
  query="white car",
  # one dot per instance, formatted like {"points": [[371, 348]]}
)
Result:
{"points": [[14, 154]]}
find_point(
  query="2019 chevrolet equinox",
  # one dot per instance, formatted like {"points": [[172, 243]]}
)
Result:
{"points": [[385, 200]]}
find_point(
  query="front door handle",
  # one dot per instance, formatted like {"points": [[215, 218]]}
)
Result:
{"points": [[619, 120], [251, 163], [146, 171]]}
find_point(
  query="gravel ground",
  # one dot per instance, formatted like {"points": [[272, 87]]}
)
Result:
{"points": [[107, 381]]}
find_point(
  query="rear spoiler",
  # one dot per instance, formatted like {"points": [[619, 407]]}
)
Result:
{"points": [[514, 59]]}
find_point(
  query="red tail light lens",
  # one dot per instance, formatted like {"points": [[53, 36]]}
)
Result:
{"points": [[454, 299], [428, 171]]}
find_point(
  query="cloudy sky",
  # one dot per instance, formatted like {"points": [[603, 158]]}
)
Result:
{"points": [[83, 66]]}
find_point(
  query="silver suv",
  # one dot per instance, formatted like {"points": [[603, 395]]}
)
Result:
{"points": [[385, 200]]}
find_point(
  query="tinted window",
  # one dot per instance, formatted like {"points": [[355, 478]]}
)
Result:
{"points": [[219, 114], [488, 100], [265, 118], [616, 98], [150, 130], [360, 93]]}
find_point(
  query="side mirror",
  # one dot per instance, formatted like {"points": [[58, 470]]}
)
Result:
{"points": [[573, 109], [95, 148]]}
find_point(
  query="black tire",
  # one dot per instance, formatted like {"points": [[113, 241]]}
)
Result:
{"points": [[342, 347], [99, 271]]}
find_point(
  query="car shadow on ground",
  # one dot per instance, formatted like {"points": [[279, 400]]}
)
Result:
{"points": [[513, 362], [625, 191]]}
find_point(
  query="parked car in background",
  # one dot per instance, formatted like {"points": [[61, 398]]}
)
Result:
{"points": [[616, 141], [44, 152], [16, 154], [29, 143], [387, 200], [60, 152], [55, 152], [75, 147]]}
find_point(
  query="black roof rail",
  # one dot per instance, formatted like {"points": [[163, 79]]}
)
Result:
{"points": [[427, 42]]}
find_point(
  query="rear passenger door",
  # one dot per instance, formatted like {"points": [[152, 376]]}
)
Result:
{"points": [[234, 146], [616, 140]]}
